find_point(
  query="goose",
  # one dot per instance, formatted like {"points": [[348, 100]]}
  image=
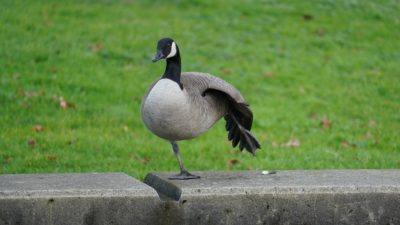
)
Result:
{"points": [[181, 106]]}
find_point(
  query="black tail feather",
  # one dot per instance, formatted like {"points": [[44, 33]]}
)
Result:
{"points": [[229, 124], [238, 127], [232, 132], [236, 138], [251, 141], [239, 120]]}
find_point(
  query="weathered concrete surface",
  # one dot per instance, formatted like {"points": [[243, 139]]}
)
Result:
{"points": [[89, 198], [288, 197]]}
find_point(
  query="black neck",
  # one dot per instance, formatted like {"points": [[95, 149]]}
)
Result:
{"points": [[173, 69]]}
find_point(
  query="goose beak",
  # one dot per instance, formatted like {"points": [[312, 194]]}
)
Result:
{"points": [[159, 55]]}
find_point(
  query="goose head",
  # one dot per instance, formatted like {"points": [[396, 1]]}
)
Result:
{"points": [[166, 48]]}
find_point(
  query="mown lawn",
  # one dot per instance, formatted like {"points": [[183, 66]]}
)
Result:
{"points": [[322, 78]]}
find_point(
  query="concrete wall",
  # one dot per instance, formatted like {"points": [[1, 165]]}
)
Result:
{"points": [[251, 197]]}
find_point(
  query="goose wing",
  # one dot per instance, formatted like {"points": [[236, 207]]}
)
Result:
{"points": [[203, 82], [239, 117]]}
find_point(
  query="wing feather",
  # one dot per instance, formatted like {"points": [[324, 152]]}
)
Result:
{"points": [[238, 116]]}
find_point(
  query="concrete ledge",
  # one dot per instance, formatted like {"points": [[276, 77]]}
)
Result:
{"points": [[89, 198], [72, 185], [288, 197]]}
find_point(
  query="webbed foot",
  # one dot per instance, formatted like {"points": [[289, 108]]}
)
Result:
{"points": [[184, 175]]}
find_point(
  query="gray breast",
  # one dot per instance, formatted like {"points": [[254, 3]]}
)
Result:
{"points": [[175, 114]]}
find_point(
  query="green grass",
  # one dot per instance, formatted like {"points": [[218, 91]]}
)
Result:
{"points": [[295, 62]]}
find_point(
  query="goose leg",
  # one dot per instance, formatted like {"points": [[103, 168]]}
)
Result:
{"points": [[184, 174]]}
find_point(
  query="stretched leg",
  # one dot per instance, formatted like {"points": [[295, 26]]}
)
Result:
{"points": [[184, 174]]}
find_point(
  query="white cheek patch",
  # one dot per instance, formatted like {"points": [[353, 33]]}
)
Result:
{"points": [[172, 53]]}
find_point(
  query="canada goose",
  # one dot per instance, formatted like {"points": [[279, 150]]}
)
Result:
{"points": [[181, 106]]}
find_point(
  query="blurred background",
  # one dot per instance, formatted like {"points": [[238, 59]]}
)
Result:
{"points": [[321, 76]]}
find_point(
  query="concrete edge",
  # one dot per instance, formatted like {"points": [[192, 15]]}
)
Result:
{"points": [[231, 183], [220, 198]]}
